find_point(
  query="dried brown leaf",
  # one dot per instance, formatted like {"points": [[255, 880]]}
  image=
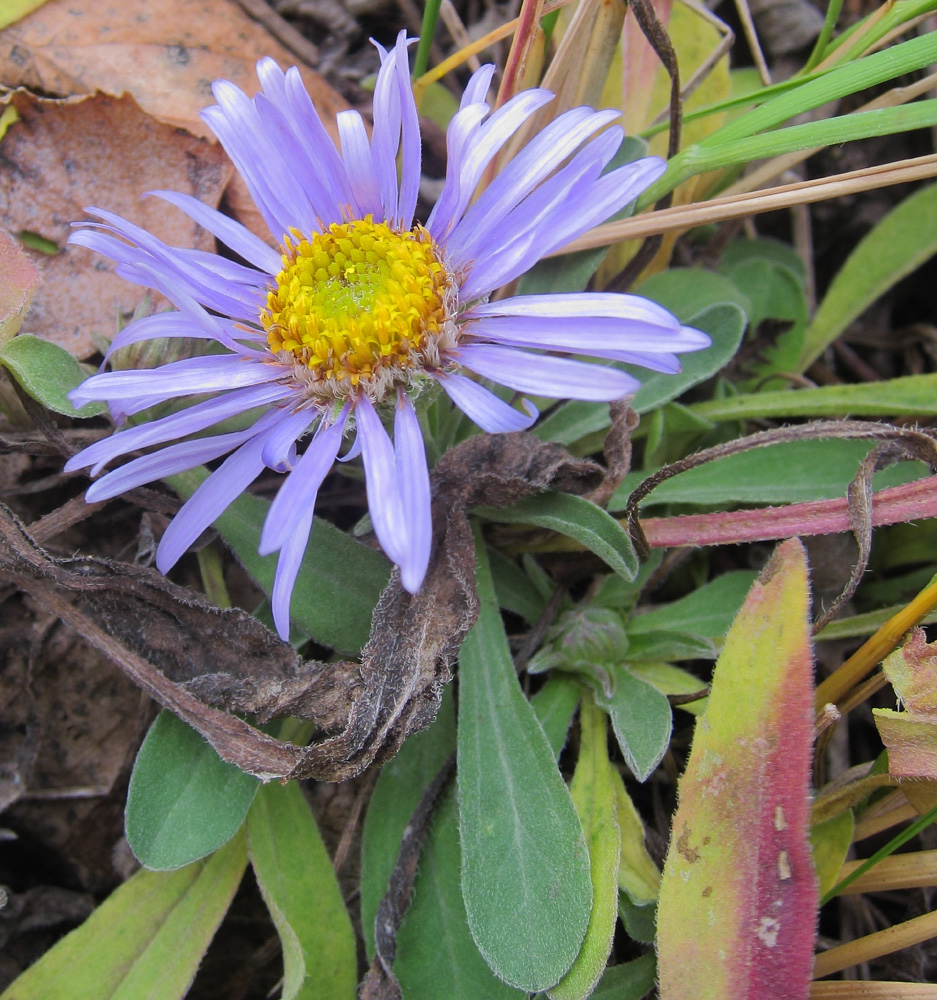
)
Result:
{"points": [[64, 155], [165, 53], [203, 662]]}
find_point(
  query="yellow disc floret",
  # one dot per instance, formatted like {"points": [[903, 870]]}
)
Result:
{"points": [[359, 308]]}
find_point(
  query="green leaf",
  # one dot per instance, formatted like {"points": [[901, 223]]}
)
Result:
{"points": [[777, 295], [707, 610], [525, 868], [641, 718], [669, 645], [594, 795], [671, 679], [46, 372], [630, 981], [913, 395], [576, 518], [295, 876], [452, 967], [746, 137], [741, 250], [339, 582], [184, 801], [145, 940], [640, 919], [788, 472], [900, 243], [436, 954], [554, 705], [830, 842], [516, 591]]}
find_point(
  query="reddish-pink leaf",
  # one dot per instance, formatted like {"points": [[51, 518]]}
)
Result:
{"points": [[738, 904], [18, 279]]}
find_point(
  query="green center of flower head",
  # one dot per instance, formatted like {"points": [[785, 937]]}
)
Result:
{"points": [[360, 307]]}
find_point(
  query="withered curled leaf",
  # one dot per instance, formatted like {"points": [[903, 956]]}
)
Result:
{"points": [[210, 665]]}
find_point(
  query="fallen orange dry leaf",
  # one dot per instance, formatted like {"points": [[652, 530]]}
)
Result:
{"points": [[64, 155]]}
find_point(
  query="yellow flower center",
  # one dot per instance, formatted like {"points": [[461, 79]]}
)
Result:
{"points": [[359, 308]]}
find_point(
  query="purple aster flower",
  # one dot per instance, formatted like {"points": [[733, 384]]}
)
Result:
{"points": [[360, 307]]}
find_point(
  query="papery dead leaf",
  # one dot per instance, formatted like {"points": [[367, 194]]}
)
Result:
{"points": [[196, 659], [64, 155], [911, 736], [912, 671], [165, 53]]}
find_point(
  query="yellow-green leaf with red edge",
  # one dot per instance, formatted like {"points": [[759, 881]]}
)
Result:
{"points": [[911, 735], [738, 903]]}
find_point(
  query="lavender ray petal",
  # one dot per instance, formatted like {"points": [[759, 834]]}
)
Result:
{"points": [[239, 238], [300, 488], [385, 137], [532, 165], [236, 138], [413, 484], [178, 378], [489, 139], [166, 462], [380, 474], [320, 149], [308, 197], [560, 378], [562, 304], [213, 497], [460, 134], [580, 334], [553, 199], [410, 143], [356, 152], [280, 449], [288, 566], [476, 90], [493, 415], [666, 363], [189, 421]]}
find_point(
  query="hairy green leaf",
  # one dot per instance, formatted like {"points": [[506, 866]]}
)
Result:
{"points": [[184, 801]]}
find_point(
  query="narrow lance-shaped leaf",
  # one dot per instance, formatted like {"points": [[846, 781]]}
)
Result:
{"points": [[902, 241], [594, 795], [738, 902], [145, 940], [298, 883], [525, 868], [453, 967]]}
